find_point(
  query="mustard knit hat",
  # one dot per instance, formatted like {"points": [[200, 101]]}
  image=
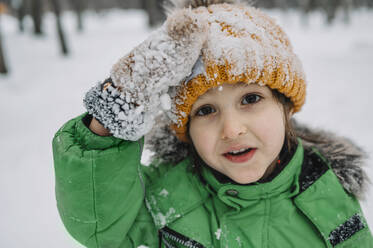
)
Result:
{"points": [[243, 45]]}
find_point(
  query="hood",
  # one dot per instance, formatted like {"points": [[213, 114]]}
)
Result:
{"points": [[346, 158]]}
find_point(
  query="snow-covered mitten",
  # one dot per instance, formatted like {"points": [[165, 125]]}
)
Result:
{"points": [[128, 103]]}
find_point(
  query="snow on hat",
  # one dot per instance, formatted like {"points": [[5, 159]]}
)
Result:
{"points": [[243, 45]]}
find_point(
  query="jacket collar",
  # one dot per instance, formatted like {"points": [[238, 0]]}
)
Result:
{"points": [[241, 196]]}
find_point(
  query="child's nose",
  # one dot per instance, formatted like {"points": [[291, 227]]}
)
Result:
{"points": [[232, 127]]}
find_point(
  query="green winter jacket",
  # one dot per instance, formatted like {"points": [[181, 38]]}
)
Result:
{"points": [[107, 199]]}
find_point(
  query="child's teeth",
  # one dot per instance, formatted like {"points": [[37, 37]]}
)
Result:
{"points": [[238, 151]]}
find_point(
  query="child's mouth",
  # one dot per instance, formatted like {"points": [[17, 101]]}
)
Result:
{"points": [[240, 156]]}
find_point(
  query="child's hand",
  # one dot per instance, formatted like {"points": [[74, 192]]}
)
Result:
{"points": [[129, 103]]}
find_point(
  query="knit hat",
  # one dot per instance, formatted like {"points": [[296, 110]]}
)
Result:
{"points": [[243, 45]]}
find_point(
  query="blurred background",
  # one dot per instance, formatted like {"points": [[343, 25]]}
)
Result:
{"points": [[53, 51]]}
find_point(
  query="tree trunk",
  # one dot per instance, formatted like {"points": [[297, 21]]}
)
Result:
{"points": [[36, 13], [21, 12], [61, 35], [307, 6], [331, 10], [143, 4], [282, 4], [78, 6], [154, 10], [347, 5], [3, 67]]}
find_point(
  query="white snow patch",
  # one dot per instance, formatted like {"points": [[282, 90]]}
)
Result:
{"points": [[218, 234], [164, 193], [238, 239], [165, 101], [162, 219]]}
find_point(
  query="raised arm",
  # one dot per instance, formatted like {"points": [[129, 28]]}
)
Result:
{"points": [[98, 187]]}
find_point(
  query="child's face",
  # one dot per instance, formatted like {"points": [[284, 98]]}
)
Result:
{"points": [[238, 117]]}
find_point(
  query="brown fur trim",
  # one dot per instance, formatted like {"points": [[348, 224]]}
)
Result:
{"points": [[345, 157]]}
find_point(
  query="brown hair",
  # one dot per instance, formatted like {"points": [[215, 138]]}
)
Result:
{"points": [[290, 135]]}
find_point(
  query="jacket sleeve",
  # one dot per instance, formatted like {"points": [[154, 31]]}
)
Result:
{"points": [[99, 192]]}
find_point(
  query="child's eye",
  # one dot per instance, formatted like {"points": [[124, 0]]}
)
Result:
{"points": [[250, 99], [205, 110]]}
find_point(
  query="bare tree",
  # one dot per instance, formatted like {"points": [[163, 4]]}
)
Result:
{"points": [[3, 67], [20, 8], [78, 6], [154, 10], [306, 6], [36, 14], [61, 35]]}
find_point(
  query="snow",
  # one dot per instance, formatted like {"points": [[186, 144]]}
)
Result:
{"points": [[163, 193], [252, 44], [238, 239], [147, 72], [45, 90], [163, 219], [218, 234], [165, 102]]}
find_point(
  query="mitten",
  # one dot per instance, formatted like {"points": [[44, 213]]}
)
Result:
{"points": [[137, 91]]}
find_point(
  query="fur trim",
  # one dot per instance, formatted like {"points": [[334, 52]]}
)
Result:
{"points": [[164, 145], [347, 159]]}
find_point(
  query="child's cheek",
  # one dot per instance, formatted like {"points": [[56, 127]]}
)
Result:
{"points": [[203, 139], [271, 128]]}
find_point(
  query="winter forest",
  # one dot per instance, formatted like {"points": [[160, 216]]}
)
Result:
{"points": [[53, 51]]}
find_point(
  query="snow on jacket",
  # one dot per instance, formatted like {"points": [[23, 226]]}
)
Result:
{"points": [[107, 199]]}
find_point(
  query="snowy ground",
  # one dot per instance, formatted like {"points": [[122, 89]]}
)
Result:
{"points": [[44, 90]]}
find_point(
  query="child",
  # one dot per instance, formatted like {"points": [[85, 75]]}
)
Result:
{"points": [[230, 168]]}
